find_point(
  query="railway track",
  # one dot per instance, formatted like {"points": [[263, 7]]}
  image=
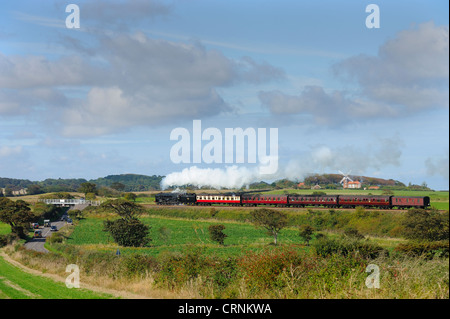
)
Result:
{"points": [[264, 206]]}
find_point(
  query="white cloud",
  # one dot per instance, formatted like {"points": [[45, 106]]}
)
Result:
{"points": [[8, 151], [141, 81], [409, 74]]}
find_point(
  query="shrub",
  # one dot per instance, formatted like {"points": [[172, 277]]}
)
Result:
{"points": [[429, 250], [264, 270], [176, 268], [216, 233], [136, 264], [8, 239], [347, 247], [351, 232], [55, 238], [421, 224]]}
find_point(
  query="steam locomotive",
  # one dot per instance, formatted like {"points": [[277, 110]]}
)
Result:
{"points": [[294, 200]]}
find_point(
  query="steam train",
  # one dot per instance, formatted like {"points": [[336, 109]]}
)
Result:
{"points": [[294, 200]]}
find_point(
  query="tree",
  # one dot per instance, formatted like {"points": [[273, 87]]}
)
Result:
{"points": [[216, 233], [123, 208], [272, 221], [34, 189], [17, 214], [130, 196], [128, 230], [306, 233], [87, 188], [118, 186]]}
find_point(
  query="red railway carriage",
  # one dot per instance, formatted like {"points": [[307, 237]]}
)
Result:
{"points": [[365, 201], [208, 199], [307, 200], [253, 200], [410, 201]]}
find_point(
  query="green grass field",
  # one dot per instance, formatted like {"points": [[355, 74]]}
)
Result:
{"points": [[180, 234], [17, 284]]}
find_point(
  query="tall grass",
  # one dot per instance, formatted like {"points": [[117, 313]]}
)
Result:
{"points": [[274, 272]]}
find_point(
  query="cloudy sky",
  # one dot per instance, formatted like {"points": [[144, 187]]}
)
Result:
{"points": [[104, 98]]}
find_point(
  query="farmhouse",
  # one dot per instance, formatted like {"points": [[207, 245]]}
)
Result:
{"points": [[353, 185]]}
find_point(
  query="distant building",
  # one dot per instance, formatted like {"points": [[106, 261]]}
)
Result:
{"points": [[352, 185], [374, 187], [316, 187]]}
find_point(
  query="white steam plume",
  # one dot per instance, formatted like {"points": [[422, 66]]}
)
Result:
{"points": [[321, 158]]}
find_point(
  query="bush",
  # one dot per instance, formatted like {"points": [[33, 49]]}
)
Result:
{"points": [[55, 238], [264, 270], [347, 247], [176, 268], [135, 265], [351, 232], [8, 239], [421, 224], [429, 250], [216, 233]]}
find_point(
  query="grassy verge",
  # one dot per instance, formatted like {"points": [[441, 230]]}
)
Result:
{"points": [[17, 284]]}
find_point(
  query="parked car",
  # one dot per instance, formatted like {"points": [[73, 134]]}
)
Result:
{"points": [[35, 225], [47, 223], [69, 221], [53, 228]]}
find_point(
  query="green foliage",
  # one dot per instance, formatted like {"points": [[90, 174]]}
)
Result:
{"points": [[131, 182], [429, 250], [90, 196], [75, 213], [47, 211], [353, 233], [130, 197], [8, 239], [347, 247], [87, 188], [263, 270], [216, 233], [271, 220], [176, 268], [420, 224], [306, 232], [58, 195], [55, 238], [137, 265], [123, 208], [130, 232], [17, 214]]}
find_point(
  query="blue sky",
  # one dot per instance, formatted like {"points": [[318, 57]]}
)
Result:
{"points": [[104, 98]]}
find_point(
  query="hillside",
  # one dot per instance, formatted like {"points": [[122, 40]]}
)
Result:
{"points": [[137, 183], [131, 182]]}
